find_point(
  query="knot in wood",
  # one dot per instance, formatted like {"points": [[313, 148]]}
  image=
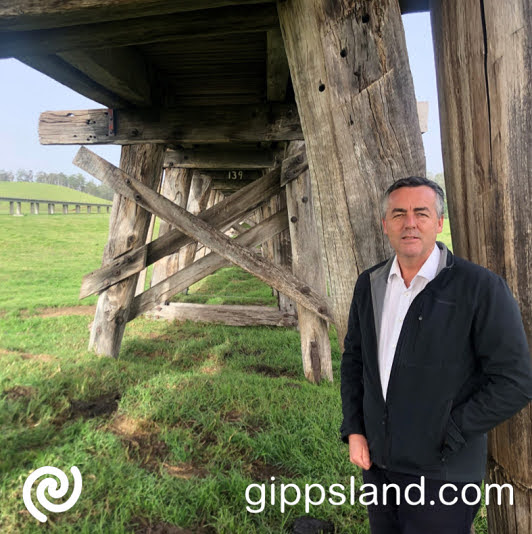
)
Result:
{"points": [[304, 200], [293, 219], [137, 197], [322, 309], [128, 181], [305, 290]]}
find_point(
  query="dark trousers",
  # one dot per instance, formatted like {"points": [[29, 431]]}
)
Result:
{"points": [[434, 517]]}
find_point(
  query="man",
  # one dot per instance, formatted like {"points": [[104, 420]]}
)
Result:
{"points": [[435, 356]]}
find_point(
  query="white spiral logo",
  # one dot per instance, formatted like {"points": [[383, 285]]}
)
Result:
{"points": [[50, 484]]}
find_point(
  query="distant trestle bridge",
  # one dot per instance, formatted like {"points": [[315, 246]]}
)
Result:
{"points": [[15, 206]]}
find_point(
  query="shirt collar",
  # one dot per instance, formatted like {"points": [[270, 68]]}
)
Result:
{"points": [[428, 270]]}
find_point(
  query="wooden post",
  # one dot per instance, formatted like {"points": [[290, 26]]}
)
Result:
{"points": [[128, 226], [51, 208], [176, 187], [36, 208], [357, 107], [307, 265], [99, 209], [65, 209], [141, 282], [78, 208], [200, 188], [11, 208], [88, 209], [484, 85]]}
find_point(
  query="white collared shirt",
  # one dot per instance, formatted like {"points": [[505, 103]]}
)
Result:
{"points": [[397, 300]]}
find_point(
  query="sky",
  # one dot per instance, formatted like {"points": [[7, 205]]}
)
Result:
{"points": [[25, 93]]}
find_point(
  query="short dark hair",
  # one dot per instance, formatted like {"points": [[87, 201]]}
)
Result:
{"points": [[415, 181]]}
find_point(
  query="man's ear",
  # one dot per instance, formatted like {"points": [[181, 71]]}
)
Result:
{"points": [[440, 224]]}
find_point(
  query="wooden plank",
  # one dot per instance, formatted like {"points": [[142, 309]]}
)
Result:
{"points": [[128, 228], [222, 215], [307, 265], [120, 70], [41, 14], [133, 32], [277, 70], [232, 315], [268, 122], [482, 52], [199, 230], [356, 100], [220, 157], [176, 187], [166, 289], [64, 73], [141, 282]]}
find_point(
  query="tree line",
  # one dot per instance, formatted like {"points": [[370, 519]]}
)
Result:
{"points": [[74, 181]]}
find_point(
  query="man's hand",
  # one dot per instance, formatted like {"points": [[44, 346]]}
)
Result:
{"points": [[359, 451]]}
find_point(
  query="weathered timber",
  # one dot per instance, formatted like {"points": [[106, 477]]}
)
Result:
{"points": [[267, 122], [233, 315], [200, 189], [42, 14], [204, 266], [133, 32], [141, 282], [277, 71], [61, 71], [220, 157], [356, 101], [128, 228], [222, 215], [199, 230], [307, 265], [482, 52], [121, 71], [176, 187]]}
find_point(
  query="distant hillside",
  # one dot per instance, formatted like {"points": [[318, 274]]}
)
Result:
{"points": [[46, 192]]}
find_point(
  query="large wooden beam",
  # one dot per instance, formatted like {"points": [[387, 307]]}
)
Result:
{"points": [[167, 288], [199, 230], [484, 78], [41, 14], [233, 315], [220, 157], [221, 215], [128, 228], [121, 71], [357, 106], [269, 122], [63, 72], [307, 265], [132, 32]]}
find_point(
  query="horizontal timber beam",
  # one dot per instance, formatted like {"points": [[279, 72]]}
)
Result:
{"points": [[211, 124], [220, 157], [42, 14], [182, 125], [134, 32], [179, 281], [222, 215], [273, 275], [231, 315]]}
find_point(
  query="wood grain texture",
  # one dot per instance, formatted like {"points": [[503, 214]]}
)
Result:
{"points": [[41, 14], [136, 31], [204, 266], [224, 124], [199, 230], [356, 101], [307, 265], [222, 215], [232, 315], [484, 85], [176, 187], [128, 227]]}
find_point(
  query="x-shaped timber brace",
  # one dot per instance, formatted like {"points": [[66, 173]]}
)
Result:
{"points": [[305, 285]]}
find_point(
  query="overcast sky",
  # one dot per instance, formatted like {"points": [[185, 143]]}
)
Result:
{"points": [[25, 93]]}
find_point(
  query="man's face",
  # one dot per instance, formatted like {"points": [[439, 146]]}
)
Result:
{"points": [[411, 222]]}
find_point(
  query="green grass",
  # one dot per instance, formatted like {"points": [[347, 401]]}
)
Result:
{"points": [[202, 411], [38, 191]]}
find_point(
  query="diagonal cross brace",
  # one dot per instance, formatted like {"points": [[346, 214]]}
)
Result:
{"points": [[273, 275]]}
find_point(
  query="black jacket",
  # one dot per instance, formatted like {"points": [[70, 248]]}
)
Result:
{"points": [[462, 366]]}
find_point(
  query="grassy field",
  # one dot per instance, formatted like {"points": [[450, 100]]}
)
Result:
{"points": [[172, 432], [40, 191]]}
